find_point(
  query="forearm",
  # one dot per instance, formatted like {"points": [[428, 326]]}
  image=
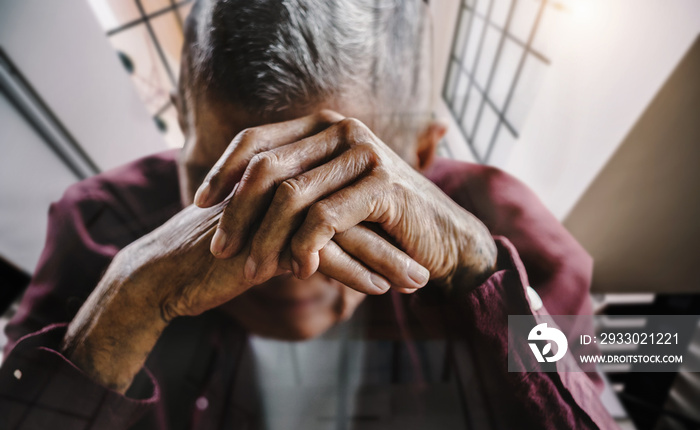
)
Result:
{"points": [[115, 330]]}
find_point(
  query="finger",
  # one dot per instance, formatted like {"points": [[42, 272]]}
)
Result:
{"points": [[382, 257], [291, 200], [365, 200], [340, 266], [257, 186], [230, 167]]}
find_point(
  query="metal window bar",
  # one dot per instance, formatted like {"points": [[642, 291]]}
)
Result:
{"points": [[156, 43], [174, 6], [521, 65], [492, 72], [488, 101], [178, 15], [514, 39], [145, 19], [16, 88], [451, 83], [477, 60]]}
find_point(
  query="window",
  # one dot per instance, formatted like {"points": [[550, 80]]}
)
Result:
{"points": [[496, 64], [148, 37]]}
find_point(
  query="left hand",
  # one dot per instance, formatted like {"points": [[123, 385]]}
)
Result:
{"points": [[309, 191]]}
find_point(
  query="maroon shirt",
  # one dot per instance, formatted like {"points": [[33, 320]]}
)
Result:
{"points": [[208, 357]]}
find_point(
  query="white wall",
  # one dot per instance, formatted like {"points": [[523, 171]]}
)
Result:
{"points": [[639, 218], [609, 58], [61, 49], [30, 178], [612, 58]]}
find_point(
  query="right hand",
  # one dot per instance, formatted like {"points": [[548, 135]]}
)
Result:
{"points": [[174, 262], [173, 266], [171, 272]]}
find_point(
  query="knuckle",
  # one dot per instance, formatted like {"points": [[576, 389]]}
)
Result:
{"points": [[263, 163], [366, 152], [400, 189], [289, 192], [382, 174], [357, 134], [351, 126], [320, 220], [247, 136], [322, 215], [327, 116]]}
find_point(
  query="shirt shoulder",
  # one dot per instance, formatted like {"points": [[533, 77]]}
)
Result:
{"points": [[558, 267], [485, 191], [93, 220], [122, 204]]}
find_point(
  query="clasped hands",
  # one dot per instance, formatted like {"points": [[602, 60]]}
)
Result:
{"points": [[319, 193], [323, 193]]}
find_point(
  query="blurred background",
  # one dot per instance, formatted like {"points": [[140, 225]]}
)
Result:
{"points": [[595, 104]]}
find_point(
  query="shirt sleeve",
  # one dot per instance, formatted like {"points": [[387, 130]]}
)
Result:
{"points": [[93, 220], [70, 266], [559, 268], [41, 389], [534, 400]]}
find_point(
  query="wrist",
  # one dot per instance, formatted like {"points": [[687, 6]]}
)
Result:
{"points": [[115, 329], [477, 259]]}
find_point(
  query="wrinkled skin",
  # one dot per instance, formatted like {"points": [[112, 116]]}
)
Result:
{"points": [[306, 190], [320, 196]]}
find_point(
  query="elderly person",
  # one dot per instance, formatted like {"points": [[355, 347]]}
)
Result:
{"points": [[320, 212]]}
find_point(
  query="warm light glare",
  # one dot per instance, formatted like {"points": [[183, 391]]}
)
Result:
{"points": [[581, 10]]}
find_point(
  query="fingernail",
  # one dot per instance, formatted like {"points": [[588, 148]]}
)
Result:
{"points": [[250, 269], [202, 194], [295, 268], [218, 242], [418, 274], [380, 282]]}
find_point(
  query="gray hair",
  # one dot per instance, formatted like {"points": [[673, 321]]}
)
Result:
{"points": [[275, 54]]}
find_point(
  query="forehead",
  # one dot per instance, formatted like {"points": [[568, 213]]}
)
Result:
{"points": [[215, 124]]}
